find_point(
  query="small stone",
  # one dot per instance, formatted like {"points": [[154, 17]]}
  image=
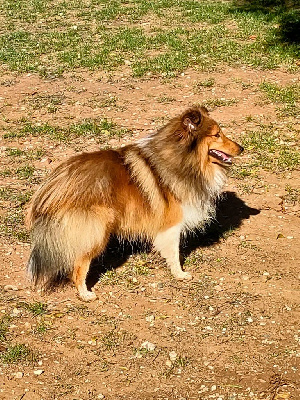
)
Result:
{"points": [[7, 288], [150, 318], [173, 355], [169, 363], [160, 285], [148, 346], [19, 375], [15, 312], [38, 372], [213, 388], [100, 396]]}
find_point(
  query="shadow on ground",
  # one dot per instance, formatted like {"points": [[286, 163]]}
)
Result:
{"points": [[231, 211], [285, 13]]}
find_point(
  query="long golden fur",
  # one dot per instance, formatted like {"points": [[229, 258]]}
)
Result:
{"points": [[156, 189]]}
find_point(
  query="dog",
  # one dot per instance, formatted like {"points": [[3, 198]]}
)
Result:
{"points": [[155, 189]]}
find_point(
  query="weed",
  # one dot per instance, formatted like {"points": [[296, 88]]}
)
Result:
{"points": [[135, 267], [110, 101], [36, 308], [4, 322], [50, 102], [12, 225], [195, 259], [41, 328], [22, 154], [165, 99], [270, 151], [245, 244], [207, 83], [81, 310], [100, 129], [292, 195], [241, 172], [25, 172], [249, 118], [114, 338], [179, 363], [18, 353], [222, 102], [13, 152], [287, 96]]}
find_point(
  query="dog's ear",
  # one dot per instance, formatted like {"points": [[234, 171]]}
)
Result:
{"points": [[191, 119]]}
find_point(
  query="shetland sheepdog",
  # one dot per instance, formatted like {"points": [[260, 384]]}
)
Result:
{"points": [[156, 188]]}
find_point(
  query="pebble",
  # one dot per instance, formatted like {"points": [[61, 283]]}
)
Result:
{"points": [[169, 363], [150, 318], [173, 355], [148, 346], [38, 372], [7, 288], [100, 396], [19, 375]]}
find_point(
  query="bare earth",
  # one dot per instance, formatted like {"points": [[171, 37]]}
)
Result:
{"points": [[231, 333]]}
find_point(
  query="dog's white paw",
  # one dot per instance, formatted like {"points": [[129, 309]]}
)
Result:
{"points": [[88, 296], [183, 276]]}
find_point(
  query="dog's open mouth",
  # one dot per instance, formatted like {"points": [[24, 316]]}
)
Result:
{"points": [[221, 156]]}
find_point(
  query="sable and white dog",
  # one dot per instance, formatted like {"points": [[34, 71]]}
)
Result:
{"points": [[155, 189]]}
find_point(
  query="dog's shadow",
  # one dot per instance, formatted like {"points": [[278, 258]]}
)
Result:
{"points": [[230, 213]]}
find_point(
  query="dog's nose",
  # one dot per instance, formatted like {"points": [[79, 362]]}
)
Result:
{"points": [[241, 148]]}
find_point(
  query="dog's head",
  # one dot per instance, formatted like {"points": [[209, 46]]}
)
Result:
{"points": [[204, 135]]}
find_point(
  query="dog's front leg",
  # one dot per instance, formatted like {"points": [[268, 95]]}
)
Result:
{"points": [[167, 244]]}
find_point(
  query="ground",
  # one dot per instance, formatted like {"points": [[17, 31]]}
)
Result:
{"points": [[82, 75], [231, 333]]}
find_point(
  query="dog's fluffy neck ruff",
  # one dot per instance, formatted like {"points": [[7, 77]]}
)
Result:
{"points": [[196, 187], [202, 185]]}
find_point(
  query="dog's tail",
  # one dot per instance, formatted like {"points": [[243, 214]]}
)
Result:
{"points": [[59, 243], [52, 256]]}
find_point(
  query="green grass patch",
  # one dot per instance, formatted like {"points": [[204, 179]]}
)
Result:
{"points": [[18, 353], [50, 38], [206, 83], [212, 104], [50, 102], [129, 276], [4, 323], [271, 149], [292, 195], [287, 97], [100, 129], [12, 225], [14, 195], [36, 308]]}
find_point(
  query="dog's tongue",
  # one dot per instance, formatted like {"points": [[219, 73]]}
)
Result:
{"points": [[220, 156]]}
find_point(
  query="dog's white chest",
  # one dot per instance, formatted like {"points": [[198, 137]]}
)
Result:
{"points": [[195, 215]]}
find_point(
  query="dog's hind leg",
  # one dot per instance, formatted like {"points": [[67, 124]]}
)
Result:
{"points": [[80, 271], [167, 243]]}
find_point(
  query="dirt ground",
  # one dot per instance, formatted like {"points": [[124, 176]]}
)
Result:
{"points": [[231, 333]]}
